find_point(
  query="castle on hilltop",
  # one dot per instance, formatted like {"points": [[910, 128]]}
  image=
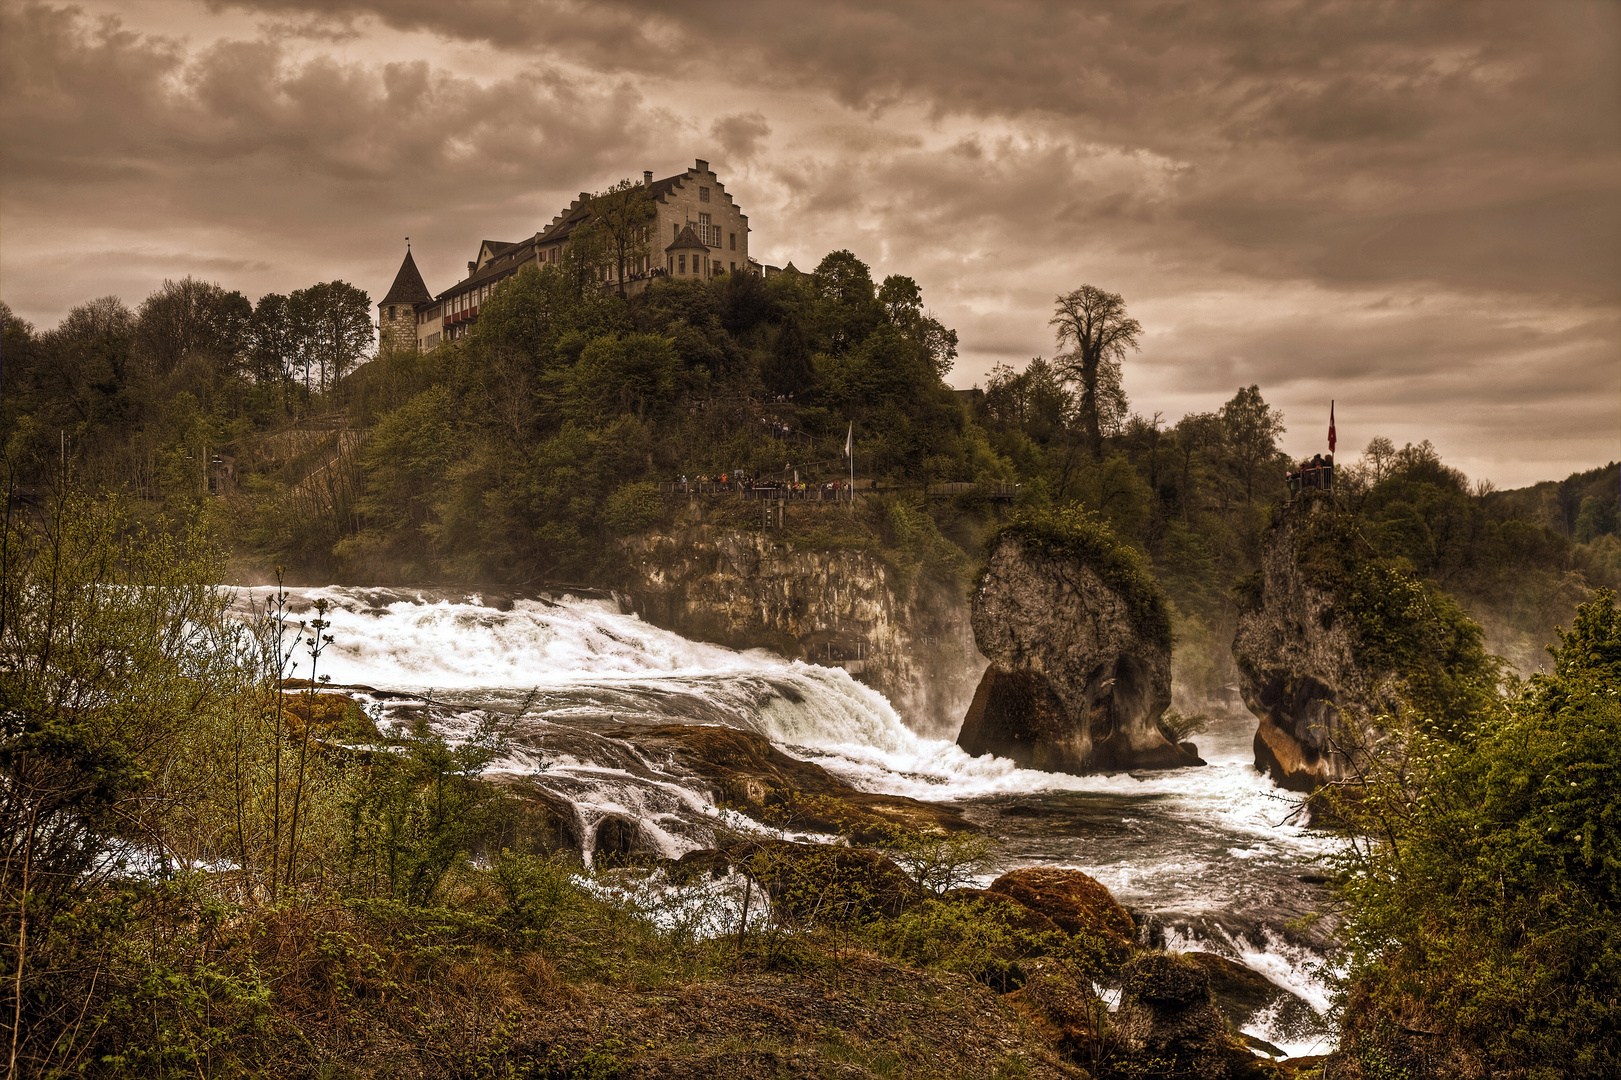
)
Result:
{"points": [[708, 235]]}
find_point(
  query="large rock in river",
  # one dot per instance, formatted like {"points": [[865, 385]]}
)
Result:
{"points": [[1298, 668], [1079, 641], [1331, 638]]}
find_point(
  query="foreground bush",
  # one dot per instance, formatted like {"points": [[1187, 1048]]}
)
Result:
{"points": [[1484, 908]]}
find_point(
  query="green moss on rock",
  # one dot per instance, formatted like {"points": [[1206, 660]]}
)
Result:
{"points": [[1397, 621], [1079, 534]]}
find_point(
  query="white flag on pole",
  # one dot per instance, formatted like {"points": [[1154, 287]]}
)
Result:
{"points": [[849, 438]]}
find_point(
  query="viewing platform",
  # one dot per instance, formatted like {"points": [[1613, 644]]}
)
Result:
{"points": [[832, 492], [763, 492]]}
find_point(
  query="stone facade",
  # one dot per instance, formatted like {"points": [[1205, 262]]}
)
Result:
{"points": [[698, 232], [397, 318]]}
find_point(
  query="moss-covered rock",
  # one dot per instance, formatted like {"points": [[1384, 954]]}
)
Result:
{"points": [[1073, 901], [1075, 534], [1332, 637], [1078, 639], [1168, 1026]]}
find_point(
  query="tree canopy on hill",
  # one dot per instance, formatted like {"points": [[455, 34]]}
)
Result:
{"points": [[525, 442], [1400, 623], [523, 450]]}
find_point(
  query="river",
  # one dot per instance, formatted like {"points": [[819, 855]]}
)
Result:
{"points": [[1205, 854]]}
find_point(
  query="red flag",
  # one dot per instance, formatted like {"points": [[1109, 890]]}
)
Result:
{"points": [[1330, 427]]}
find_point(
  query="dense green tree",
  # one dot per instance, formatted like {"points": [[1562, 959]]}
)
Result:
{"points": [[847, 308], [406, 458], [1597, 518], [86, 392], [274, 346], [1033, 403], [1200, 441], [18, 356], [902, 302], [622, 216], [332, 323], [1250, 430], [1482, 899], [196, 322], [1094, 333], [617, 376]]}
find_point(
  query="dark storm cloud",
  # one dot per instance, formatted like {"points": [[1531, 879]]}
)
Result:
{"points": [[1343, 140], [740, 136], [1417, 202], [92, 105]]}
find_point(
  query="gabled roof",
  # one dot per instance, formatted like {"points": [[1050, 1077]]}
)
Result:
{"points": [[408, 287], [489, 249], [661, 188], [686, 238], [503, 264]]}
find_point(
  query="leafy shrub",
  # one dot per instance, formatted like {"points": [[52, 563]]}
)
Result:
{"points": [[1486, 904], [535, 890], [633, 507], [975, 938]]}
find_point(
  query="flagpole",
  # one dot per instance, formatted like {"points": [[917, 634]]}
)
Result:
{"points": [[850, 452]]}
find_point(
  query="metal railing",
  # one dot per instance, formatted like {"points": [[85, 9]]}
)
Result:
{"points": [[762, 492], [990, 491]]}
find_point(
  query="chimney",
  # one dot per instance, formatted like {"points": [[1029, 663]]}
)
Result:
{"points": [[703, 166], [647, 177], [471, 266]]}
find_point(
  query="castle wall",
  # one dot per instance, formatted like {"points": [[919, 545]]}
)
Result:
{"points": [[728, 226], [396, 326]]}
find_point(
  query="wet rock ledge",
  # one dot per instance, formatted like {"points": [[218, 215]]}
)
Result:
{"points": [[1079, 642]]}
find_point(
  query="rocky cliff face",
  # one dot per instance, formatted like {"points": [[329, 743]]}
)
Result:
{"points": [[1076, 682], [910, 641], [1299, 672]]}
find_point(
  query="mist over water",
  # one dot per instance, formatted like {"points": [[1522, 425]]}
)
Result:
{"points": [[1206, 855]]}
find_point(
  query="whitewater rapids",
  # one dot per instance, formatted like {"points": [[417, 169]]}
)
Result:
{"points": [[1207, 854]]}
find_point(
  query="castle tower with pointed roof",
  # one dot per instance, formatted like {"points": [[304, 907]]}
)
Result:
{"points": [[397, 312]]}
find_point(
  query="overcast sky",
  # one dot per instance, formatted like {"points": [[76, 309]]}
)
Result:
{"points": [[1412, 208]]}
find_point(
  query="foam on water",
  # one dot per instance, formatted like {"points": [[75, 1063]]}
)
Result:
{"points": [[422, 641], [575, 658], [1289, 967]]}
